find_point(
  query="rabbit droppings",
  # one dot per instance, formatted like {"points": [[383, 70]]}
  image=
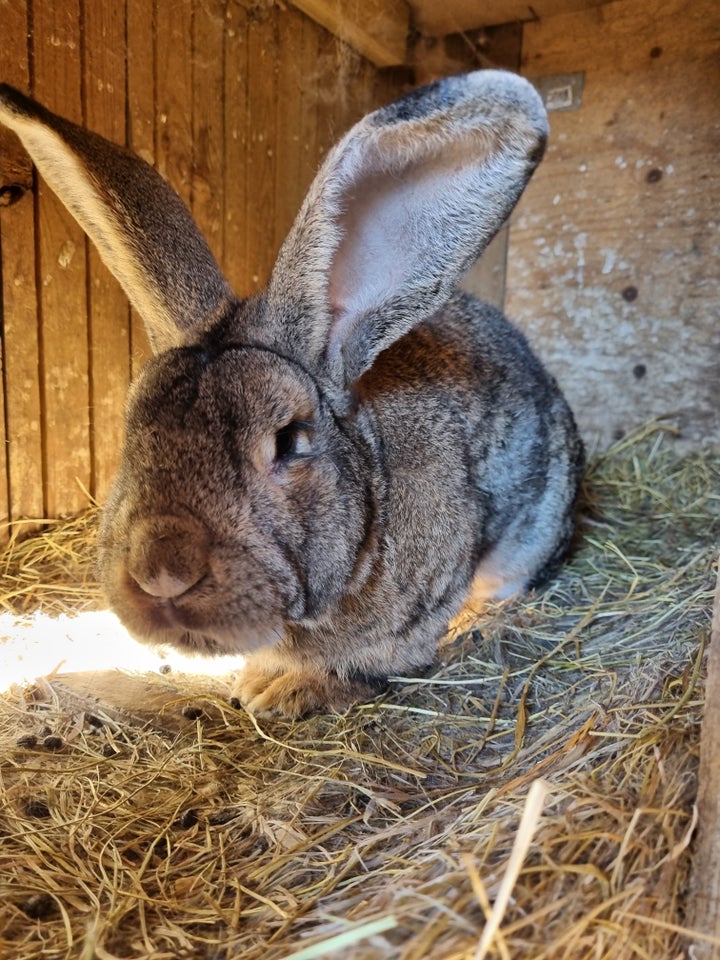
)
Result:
{"points": [[314, 476]]}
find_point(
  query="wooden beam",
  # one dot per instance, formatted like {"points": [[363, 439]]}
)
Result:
{"points": [[705, 899], [376, 29], [437, 19]]}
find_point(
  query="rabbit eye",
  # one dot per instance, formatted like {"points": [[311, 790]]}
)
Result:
{"points": [[292, 440]]}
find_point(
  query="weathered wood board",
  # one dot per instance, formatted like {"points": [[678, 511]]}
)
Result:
{"points": [[108, 310], [437, 19], [377, 29], [705, 893], [62, 279], [614, 249], [21, 453]]}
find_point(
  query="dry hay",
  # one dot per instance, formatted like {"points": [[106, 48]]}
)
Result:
{"points": [[386, 832]]}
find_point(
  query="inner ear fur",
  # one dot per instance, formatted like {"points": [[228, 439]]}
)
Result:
{"points": [[402, 206]]}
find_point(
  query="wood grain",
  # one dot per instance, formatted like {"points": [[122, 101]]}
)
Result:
{"points": [[62, 273], [289, 127], [451, 16], [308, 154], [235, 80], [141, 126], [261, 157], [174, 97], [376, 29], [108, 309], [208, 188], [21, 475]]}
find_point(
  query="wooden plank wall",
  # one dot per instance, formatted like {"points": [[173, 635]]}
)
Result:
{"points": [[234, 102], [614, 249]]}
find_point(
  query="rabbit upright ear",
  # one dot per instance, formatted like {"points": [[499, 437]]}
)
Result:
{"points": [[142, 229], [402, 206]]}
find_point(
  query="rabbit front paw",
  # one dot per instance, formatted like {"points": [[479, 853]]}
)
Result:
{"points": [[270, 685]]}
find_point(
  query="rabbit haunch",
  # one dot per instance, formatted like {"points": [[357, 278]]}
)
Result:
{"points": [[314, 476]]}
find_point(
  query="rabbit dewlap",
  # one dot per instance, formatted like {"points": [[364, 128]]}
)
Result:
{"points": [[313, 476]]}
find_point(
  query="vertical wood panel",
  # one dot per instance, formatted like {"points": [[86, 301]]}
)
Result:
{"points": [[207, 122], [235, 259], [108, 310], [289, 124], [141, 125], [362, 80], [4, 464], [346, 90], [21, 480], [62, 275], [308, 148], [261, 154], [326, 73], [173, 143]]}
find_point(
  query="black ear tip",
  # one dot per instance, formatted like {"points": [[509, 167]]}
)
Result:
{"points": [[16, 101], [538, 151], [9, 94]]}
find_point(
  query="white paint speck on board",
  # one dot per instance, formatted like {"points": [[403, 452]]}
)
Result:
{"points": [[580, 243], [609, 262], [67, 252]]}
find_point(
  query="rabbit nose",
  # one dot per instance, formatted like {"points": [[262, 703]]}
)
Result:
{"points": [[167, 555], [164, 586]]}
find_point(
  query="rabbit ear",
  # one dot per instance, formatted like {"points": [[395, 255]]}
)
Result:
{"points": [[142, 229], [402, 206]]}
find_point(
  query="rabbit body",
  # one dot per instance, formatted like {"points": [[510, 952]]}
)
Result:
{"points": [[314, 476], [459, 460]]}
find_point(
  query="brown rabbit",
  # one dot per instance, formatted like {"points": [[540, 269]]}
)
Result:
{"points": [[313, 476]]}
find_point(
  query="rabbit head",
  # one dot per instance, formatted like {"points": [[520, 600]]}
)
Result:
{"points": [[250, 502]]}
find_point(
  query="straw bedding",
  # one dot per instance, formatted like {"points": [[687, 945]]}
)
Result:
{"points": [[388, 831]]}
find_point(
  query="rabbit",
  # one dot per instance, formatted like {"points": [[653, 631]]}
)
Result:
{"points": [[316, 475]]}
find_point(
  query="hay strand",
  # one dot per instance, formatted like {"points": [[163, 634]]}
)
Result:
{"points": [[528, 823]]}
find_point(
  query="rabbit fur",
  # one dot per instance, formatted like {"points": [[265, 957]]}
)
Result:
{"points": [[314, 476]]}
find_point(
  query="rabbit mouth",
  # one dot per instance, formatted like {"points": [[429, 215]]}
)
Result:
{"points": [[167, 626], [201, 643], [215, 642], [233, 640], [178, 623], [186, 630]]}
